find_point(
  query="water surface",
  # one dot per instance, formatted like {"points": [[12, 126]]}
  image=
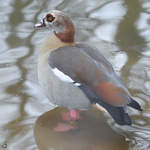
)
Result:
{"points": [[120, 29]]}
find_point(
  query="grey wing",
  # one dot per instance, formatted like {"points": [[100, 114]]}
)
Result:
{"points": [[95, 54], [94, 74], [96, 78]]}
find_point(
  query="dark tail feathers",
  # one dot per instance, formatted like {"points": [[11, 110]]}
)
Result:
{"points": [[118, 114], [135, 105]]}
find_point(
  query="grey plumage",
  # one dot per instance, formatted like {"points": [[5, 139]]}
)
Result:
{"points": [[85, 65], [77, 75]]}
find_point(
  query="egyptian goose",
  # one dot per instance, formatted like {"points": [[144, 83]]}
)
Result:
{"points": [[76, 75]]}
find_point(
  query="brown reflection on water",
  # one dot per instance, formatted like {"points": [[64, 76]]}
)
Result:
{"points": [[127, 36], [129, 39], [14, 41]]}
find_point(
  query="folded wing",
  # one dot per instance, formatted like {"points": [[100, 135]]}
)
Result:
{"points": [[95, 77]]}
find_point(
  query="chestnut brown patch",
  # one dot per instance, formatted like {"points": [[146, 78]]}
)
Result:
{"points": [[110, 93], [68, 34], [67, 37]]}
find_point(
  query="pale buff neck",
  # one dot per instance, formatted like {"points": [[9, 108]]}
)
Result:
{"points": [[52, 42]]}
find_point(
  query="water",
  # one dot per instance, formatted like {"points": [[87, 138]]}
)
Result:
{"points": [[119, 28]]}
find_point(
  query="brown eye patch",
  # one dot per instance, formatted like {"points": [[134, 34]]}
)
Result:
{"points": [[50, 18]]}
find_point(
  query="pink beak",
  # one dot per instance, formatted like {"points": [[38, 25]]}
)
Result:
{"points": [[41, 24]]}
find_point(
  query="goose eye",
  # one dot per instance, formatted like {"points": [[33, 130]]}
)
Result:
{"points": [[50, 18]]}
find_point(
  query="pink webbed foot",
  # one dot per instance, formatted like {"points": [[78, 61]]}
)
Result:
{"points": [[72, 115], [69, 116]]}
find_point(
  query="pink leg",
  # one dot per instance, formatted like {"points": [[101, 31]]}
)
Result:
{"points": [[71, 115], [74, 114]]}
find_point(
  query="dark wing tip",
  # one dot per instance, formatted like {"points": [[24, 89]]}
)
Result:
{"points": [[135, 105], [120, 116], [117, 113]]}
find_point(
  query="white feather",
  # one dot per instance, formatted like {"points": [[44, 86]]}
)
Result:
{"points": [[77, 84], [62, 76]]}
